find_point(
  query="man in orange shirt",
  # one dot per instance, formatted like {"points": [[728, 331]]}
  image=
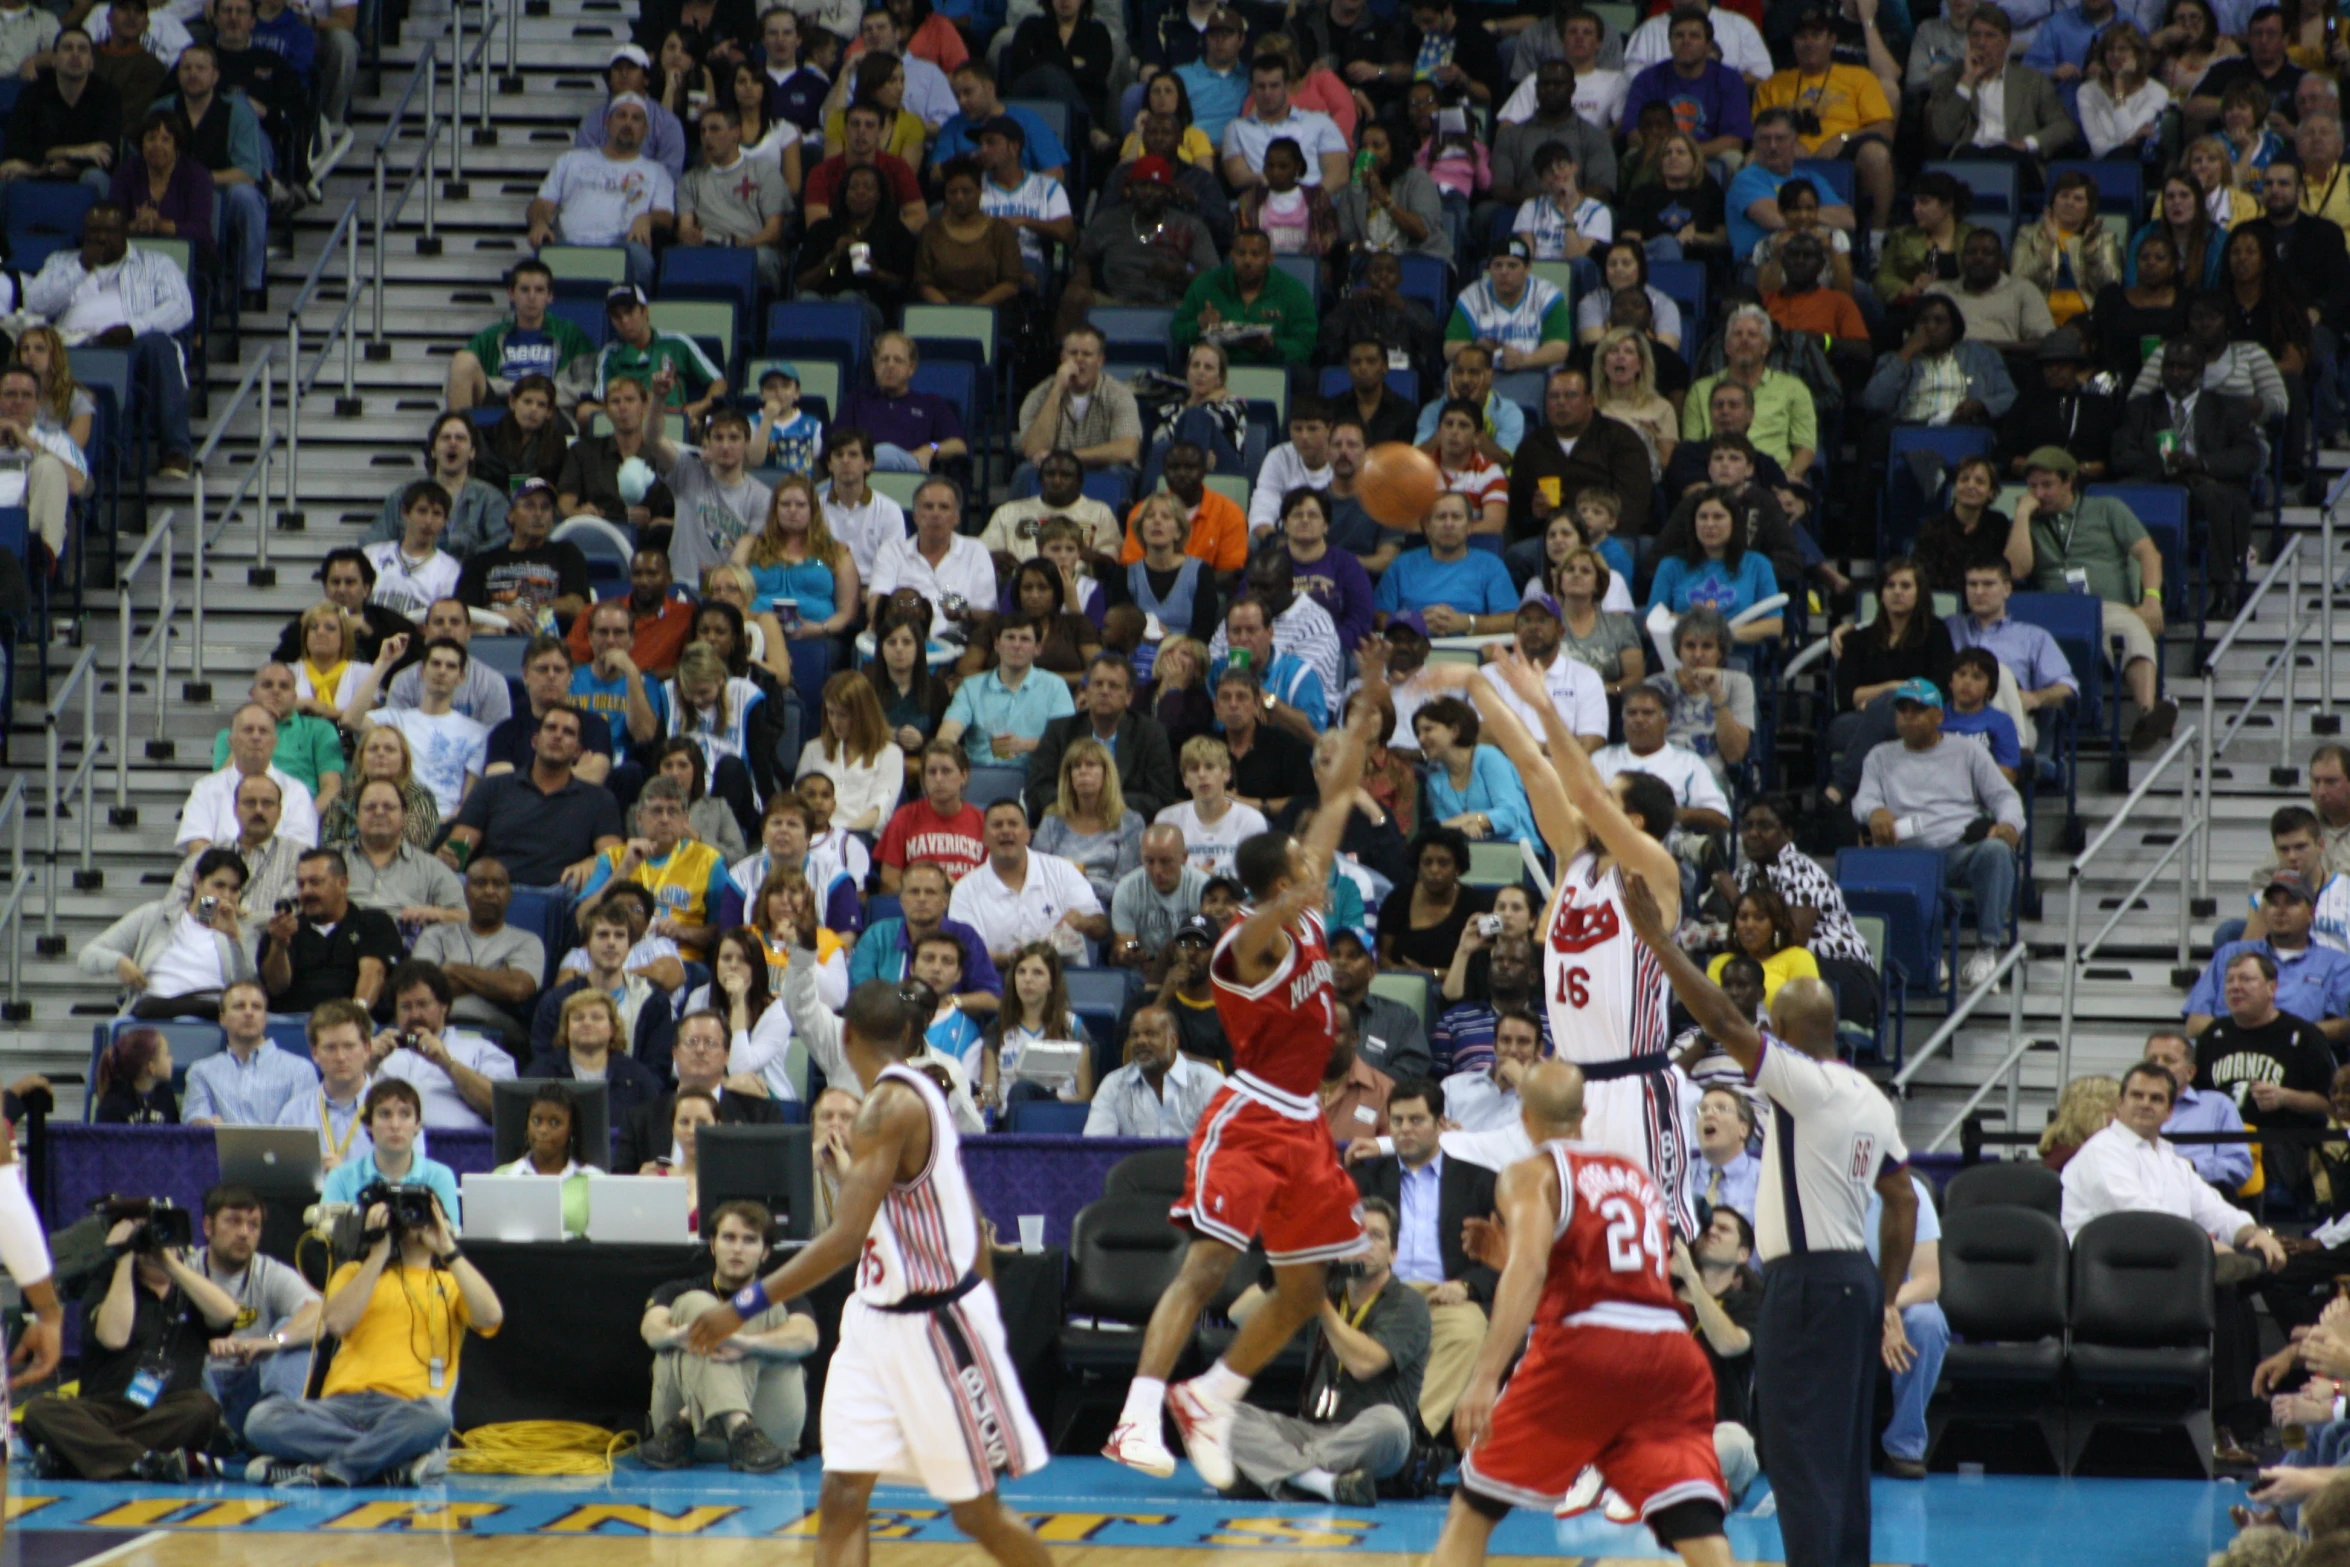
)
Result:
{"points": [[1803, 303], [660, 624], [1219, 529]]}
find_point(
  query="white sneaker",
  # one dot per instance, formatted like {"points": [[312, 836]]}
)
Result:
{"points": [[1206, 1427], [1617, 1509], [1582, 1495], [1136, 1448], [1978, 969]]}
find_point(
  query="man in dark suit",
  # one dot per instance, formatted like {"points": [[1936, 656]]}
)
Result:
{"points": [[1436, 1197], [1146, 766], [2064, 409], [2209, 443], [642, 1136]]}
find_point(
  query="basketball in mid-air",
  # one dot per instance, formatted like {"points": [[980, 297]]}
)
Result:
{"points": [[1399, 483]]}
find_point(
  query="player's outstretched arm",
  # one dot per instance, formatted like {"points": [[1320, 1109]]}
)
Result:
{"points": [[890, 1116], [1635, 851], [1258, 945], [1716, 1013], [1527, 1200]]}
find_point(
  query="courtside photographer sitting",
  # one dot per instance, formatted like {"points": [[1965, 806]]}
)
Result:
{"points": [[149, 1324], [748, 1397], [401, 1316]]}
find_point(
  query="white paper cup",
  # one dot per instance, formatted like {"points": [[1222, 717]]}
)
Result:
{"points": [[1032, 1232]]}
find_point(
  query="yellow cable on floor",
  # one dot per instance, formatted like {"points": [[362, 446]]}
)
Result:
{"points": [[539, 1447]]}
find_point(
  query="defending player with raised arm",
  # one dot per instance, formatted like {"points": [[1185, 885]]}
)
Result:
{"points": [[1261, 1161], [1803, 1016], [1609, 1375], [905, 1219]]}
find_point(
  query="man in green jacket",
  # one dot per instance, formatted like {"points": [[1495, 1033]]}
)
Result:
{"points": [[1258, 315], [532, 341]]}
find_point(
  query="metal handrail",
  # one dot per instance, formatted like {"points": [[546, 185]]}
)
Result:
{"points": [[2008, 960], [388, 210], [262, 370], [12, 814], [461, 62], [346, 323], [84, 677], [2214, 741], [2190, 826], [161, 532]]}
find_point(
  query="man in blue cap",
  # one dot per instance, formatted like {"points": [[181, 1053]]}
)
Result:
{"points": [[1914, 793]]}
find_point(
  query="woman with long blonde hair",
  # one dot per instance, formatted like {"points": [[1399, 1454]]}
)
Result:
{"points": [[854, 749], [1623, 387], [64, 404], [795, 560], [787, 914], [1088, 822], [2084, 1109], [328, 672], [383, 753], [2210, 163], [712, 706]]}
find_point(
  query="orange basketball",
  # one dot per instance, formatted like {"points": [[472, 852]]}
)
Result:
{"points": [[1399, 483]]}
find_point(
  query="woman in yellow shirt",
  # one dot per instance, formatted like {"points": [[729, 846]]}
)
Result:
{"points": [[1167, 95], [880, 80], [1762, 929]]}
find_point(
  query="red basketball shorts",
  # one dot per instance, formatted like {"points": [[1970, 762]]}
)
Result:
{"points": [[1252, 1171], [1638, 1405]]}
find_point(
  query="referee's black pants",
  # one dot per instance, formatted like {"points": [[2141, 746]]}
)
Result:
{"points": [[1817, 1346]]}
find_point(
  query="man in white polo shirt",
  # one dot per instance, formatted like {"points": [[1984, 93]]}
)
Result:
{"points": [[210, 815], [1575, 687], [1020, 896], [1269, 118], [1699, 802], [940, 562]]}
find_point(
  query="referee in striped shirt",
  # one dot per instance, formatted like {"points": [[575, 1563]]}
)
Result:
{"points": [[1827, 1313]]}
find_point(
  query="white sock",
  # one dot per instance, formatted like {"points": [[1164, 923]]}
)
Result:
{"points": [[1320, 1482], [1145, 1396], [1222, 1383]]}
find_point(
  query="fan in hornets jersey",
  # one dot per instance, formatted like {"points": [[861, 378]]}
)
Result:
{"points": [[1605, 991]]}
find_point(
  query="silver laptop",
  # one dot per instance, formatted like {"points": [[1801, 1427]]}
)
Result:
{"points": [[638, 1209], [269, 1158], [512, 1207], [1048, 1061]]}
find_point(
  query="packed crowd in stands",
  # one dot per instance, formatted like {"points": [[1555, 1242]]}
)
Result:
{"points": [[984, 737]]}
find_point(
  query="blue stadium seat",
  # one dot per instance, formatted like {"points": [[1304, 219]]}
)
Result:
{"points": [[1098, 996], [190, 1041], [1683, 282], [500, 655], [290, 1034], [1904, 887], [2077, 622], [1831, 177], [605, 547], [46, 207], [1046, 1117], [1428, 279], [586, 314], [1143, 333], [1903, 507], [2121, 183], [990, 784], [1992, 187], [712, 272], [825, 328], [1307, 270], [546, 913]]}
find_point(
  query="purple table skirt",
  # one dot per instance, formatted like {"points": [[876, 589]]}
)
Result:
{"points": [[1054, 1176]]}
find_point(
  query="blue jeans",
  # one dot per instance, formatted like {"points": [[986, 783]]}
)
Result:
{"points": [[1929, 1335], [355, 1436], [239, 1390], [159, 381], [891, 458], [1987, 869], [240, 215]]}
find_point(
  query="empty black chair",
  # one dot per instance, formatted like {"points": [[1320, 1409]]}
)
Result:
{"points": [[2011, 1185], [2005, 1288], [1154, 1172], [2142, 1318], [1122, 1256]]}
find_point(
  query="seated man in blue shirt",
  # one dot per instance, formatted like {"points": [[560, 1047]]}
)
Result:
{"points": [[394, 1114], [1974, 675], [1001, 715], [2313, 982], [2226, 1166], [978, 100], [1458, 591]]}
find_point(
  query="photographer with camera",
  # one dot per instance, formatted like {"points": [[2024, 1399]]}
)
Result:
{"points": [[747, 1396], [452, 1069], [149, 1325], [393, 1114], [329, 948], [1365, 1356], [386, 1405], [266, 1349], [173, 957]]}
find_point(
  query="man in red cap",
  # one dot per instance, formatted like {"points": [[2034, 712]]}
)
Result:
{"points": [[1138, 252]]}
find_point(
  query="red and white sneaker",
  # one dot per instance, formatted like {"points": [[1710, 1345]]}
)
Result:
{"points": [[1205, 1424], [1136, 1448], [1616, 1509], [1582, 1496]]}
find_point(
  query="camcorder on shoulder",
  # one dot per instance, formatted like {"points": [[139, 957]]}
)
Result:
{"points": [[163, 1224]]}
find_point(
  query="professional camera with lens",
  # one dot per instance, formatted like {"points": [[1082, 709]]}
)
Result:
{"points": [[1807, 122], [410, 1207], [162, 1224]]}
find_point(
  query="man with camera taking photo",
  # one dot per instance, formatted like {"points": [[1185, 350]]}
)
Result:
{"points": [[747, 1397], [402, 1315], [149, 1327], [393, 1114]]}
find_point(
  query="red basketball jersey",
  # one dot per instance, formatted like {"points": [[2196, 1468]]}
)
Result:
{"points": [[1281, 1027], [1610, 1257]]}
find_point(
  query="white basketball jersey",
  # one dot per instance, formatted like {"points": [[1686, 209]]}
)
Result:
{"points": [[926, 1236], [1605, 990]]}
